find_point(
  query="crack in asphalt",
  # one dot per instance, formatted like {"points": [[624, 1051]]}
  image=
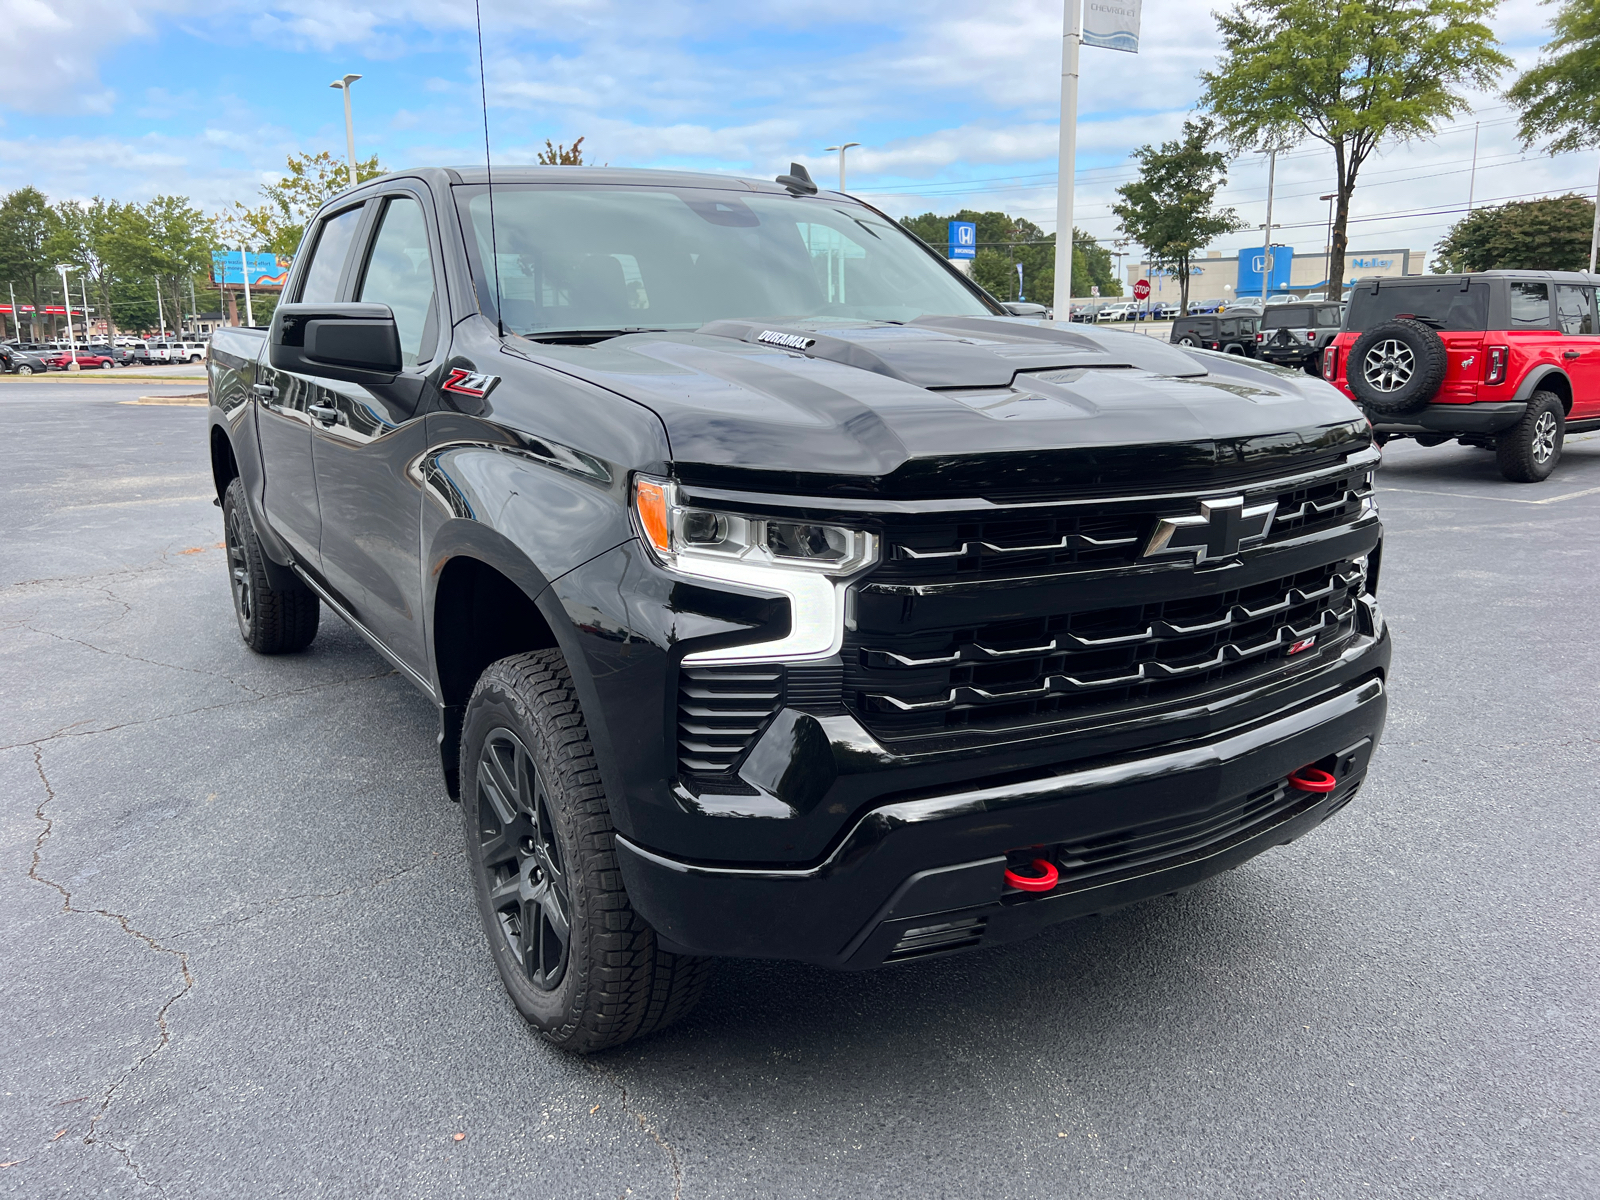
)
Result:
{"points": [[645, 1124], [257, 698], [62, 637], [264, 906], [47, 825]]}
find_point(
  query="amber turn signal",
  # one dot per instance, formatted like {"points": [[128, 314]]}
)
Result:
{"points": [[650, 502]]}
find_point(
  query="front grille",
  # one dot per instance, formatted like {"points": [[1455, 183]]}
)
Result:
{"points": [[1048, 540], [1065, 665], [721, 710]]}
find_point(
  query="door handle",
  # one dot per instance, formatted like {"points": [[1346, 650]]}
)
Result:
{"points": [[265, 391], [325, 413], [1569, 354]]}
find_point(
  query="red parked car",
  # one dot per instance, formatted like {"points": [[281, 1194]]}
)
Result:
{"points": [[86, 361], [1507, 361]]}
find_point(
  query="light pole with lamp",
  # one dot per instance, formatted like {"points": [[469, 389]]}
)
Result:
{"points": [[249, 314], [349, 125], [841, 149], [66, 297], [1332, 295]]}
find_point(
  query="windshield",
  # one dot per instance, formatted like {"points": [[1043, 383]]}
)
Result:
{"points": [[617, 258], [1444, 305]]}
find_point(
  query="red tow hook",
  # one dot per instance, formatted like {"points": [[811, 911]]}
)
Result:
{"points": [[1042, 882], [1313, 779]]}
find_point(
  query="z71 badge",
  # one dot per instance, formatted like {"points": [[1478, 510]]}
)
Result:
{"points": [[469, 383]]}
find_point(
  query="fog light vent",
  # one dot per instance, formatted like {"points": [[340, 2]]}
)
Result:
{"points": [[937, 939]]}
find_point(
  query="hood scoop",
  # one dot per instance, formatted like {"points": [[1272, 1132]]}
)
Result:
{"points": [[959, 352]]}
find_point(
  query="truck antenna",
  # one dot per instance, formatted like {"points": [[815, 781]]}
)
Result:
{"points": [[488, 170]]}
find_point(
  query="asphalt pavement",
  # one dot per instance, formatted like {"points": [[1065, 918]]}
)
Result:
{"points": [[241, 958]]}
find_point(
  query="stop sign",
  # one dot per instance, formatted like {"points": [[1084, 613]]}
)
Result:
{"points": [[1141, 289]]}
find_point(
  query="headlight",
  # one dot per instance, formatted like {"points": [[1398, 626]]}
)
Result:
{"points": [[804, 561]]}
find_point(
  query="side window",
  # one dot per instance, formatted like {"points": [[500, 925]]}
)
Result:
{"points": [[1575, 309], [400, 274], [1228, 329], [321, 284], [1530, 304], [1328, 316]]}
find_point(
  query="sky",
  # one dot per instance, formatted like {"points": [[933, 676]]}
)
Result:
{"points": [[956, 104]]}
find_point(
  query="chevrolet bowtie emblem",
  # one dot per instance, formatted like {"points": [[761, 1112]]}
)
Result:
{"points": [[1222, 527]]}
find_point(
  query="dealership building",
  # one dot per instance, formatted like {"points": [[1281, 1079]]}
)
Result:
{"points": [[1219, 276]]}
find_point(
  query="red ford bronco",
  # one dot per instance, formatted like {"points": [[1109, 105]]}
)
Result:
{"points": [[1507, 361]]}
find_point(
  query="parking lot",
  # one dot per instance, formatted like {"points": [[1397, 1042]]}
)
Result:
{"points": [[242, 958]]}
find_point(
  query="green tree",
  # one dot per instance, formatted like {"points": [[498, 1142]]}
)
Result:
{"points": [[277, 224], [1559, 98], [91, 236], [1004, 241], [26, 223], [1351, 74], [181, 239], [555, 154], [1171, 208], [1530, 235]]}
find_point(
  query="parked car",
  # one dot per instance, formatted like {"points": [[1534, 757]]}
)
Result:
{"points": [[1283, 298], [63, 359], [139, 354], [21, 362], [1507, 361], [1295, 335], [1230, 334], [852, 643], [1118, 312]]}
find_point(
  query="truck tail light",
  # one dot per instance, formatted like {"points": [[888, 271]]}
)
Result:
{"points": [[1260, 337], [1330, 363], [1494, 367]]}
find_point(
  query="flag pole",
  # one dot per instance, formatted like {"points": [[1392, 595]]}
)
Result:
{"points": [[1071, 18]]}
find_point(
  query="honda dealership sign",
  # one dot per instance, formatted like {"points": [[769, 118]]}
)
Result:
{"points": [[1111, 24]]}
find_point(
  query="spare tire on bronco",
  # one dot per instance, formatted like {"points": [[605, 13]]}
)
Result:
{"points": [[1396, 368]]}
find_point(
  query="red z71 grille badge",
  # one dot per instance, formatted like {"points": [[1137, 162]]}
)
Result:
{"points": [[469, 383], [1302, 644]]}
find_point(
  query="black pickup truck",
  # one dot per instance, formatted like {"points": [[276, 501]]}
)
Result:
{"points": [[780, 594]]}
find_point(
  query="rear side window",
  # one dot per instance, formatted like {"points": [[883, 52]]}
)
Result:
{"points": [[1442, 305], [1228, 329], [321, 284], [1329, 315], [1575, 309], [1530, 304]]}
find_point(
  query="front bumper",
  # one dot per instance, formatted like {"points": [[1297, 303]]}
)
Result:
{"points": [[925, 874]]}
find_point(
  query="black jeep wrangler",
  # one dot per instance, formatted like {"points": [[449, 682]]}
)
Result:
{"points": [[779, 594], [1295, 335], [1227, 332]]}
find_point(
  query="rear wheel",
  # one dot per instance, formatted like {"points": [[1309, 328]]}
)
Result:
{"points": [[272, 620], [24, 369], [107, 365], [580, 965], [1187, 341], [1530, 449]]}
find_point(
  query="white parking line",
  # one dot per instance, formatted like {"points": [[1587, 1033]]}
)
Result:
{"points": [[1505, 499]]}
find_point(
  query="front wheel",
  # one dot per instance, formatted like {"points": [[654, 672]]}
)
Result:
{"points": [[580, 965], [1530, 449], [272, 620], [107, 365]]}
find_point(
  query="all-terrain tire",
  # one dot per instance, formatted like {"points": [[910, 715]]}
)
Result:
{"points": [[1397, 368], [529, 780], [1530, 449], [272, 620]]}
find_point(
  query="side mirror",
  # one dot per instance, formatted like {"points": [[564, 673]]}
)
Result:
{"points": [[358, 343]]}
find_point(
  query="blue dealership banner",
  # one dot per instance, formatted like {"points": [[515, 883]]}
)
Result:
{"points": [[963, 239], [1251, 263]]}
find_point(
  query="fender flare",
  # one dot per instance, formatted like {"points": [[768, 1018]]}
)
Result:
{"points": [[1535, 381]]}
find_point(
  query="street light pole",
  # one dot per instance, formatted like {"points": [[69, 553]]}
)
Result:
{"points": [[1071, 26], [349, 125], [1266, 251], [66, 298], [1332, 295], [83, 285], [841, 149], [249, 315]]}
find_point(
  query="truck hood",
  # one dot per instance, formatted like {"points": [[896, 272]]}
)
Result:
{"points": [[965, 406]]}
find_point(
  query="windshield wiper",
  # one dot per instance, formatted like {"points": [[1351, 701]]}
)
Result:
{"points": [[582, 336]]}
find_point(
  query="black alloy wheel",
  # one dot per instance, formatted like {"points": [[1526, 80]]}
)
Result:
{"points": [[521, 857], [273, 618], [581, 966]]}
